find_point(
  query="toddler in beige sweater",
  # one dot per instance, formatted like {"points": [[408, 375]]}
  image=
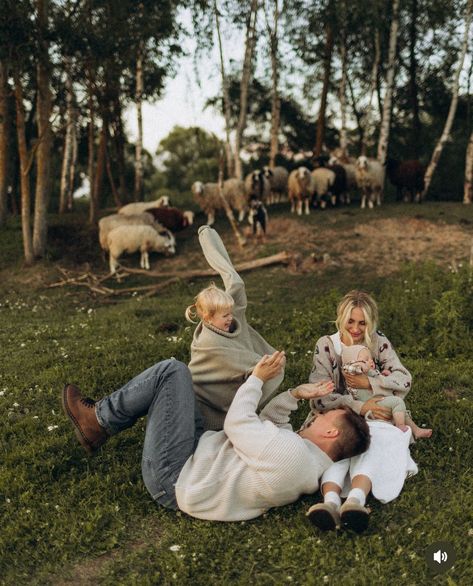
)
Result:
{"points": [[225, 348]]}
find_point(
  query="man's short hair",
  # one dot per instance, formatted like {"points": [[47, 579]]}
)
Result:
{"points": [[354, 438]]}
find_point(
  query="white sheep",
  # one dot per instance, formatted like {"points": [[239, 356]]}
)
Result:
{"points": [[108, 223], [278, 178], [322, 180], [370, 180], [207, 197], [143, 238], [300, 189], [257, 186], [234, 193], [139, 207]]}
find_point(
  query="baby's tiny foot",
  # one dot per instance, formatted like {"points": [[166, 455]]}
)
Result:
{"points": [[420, 433]]}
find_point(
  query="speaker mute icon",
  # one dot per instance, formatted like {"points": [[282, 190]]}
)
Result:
{"points": [[440, 556]]}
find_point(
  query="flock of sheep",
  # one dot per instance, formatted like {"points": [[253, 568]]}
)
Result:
{"points": [[142, 226], [150, 226], [332, 181]]}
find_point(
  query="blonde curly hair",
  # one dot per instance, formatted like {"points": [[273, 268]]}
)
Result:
{"points": [[208, 302]]}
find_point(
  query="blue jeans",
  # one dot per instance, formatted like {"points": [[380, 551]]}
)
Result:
{"points": [[165, 394]]}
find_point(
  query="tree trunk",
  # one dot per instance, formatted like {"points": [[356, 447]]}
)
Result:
{"points": [[226, 99], [245, 81], [358, 116], [138, 189], [468, 185], [24, 171], [453, 106], [275, 100], [120, 141], [413, 90], [72, 169], [101, 160], [367, 119], [43, 152], [388, 95], [320, 133], [93, 209], [4, 140], [66, 182], [342, 91]]}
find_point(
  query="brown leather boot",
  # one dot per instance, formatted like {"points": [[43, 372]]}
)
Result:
{"points": [[81, 411]]}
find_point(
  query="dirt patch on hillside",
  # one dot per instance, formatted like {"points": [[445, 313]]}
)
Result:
{"points": [[382, 244], [379, 244]]}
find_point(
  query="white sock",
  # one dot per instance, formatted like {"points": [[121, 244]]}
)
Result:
{"points": [[356, 494], [332, 497]]}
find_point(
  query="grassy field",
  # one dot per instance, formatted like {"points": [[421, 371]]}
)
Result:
{"points": [[68, 519]]}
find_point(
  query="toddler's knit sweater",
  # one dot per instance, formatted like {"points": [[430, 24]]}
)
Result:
{"points": [[221, 361]]}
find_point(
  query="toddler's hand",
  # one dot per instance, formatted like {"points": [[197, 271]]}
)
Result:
{"points": [[270, 366]]}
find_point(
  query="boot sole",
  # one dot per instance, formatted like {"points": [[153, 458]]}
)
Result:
{"points": [[355, 520], [84, 442], [322, 519]]}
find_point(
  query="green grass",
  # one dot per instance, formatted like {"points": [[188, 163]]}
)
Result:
{"points": [[66, 518]]}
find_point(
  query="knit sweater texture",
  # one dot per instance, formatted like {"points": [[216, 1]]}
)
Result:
{"points": [[327, 365], [221, 361], [257, 462]]}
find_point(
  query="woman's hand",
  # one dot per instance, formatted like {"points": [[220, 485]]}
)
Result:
{"points": [[357, 381], [313, 390], [270, 366], [378, 411]]}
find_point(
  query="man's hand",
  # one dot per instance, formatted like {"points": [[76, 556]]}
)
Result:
{"points": [[357, 381], [313, 390], [377, 411], [270, 366]]}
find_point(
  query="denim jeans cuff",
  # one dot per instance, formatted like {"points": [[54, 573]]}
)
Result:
{"points": [[109, 429]]}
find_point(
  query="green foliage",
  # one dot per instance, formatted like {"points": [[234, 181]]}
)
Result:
{"points": [[187, 155]]}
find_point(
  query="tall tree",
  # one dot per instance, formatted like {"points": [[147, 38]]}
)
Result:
{"points": [[43, 152], [4, 139], [388, 94], [226, 97], [468, 183], [275, 100], [70, 143], [247, 72], [453, 104], [329, 42]]}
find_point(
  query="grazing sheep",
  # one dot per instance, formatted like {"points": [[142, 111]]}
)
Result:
{"points": [[407, 177], [108, 223], [172, 218], [299, 189], [322, 181], [234, 193], [370, 179], [258, 186], [208, 198], [138, 207], [278, 178], [143, 238]]}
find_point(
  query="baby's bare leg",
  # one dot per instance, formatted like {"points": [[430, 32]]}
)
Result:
{"points": [[399, 419], [418, 432]]}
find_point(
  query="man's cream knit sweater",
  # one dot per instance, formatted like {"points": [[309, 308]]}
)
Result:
{"points": [[254, 464], [222, 361]]}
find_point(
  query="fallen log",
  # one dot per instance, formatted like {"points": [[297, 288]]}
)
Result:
{"points": [[280, 258]]}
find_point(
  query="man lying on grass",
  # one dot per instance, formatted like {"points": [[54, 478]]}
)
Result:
{"points": [[256, 462]]}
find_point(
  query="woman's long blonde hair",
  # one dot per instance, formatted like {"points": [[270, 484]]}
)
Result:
{"points": [[208, 302], [369, 308]]}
